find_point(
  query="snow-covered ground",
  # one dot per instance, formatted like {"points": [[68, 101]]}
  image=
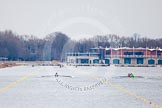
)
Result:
{"points": [[43, 90]]}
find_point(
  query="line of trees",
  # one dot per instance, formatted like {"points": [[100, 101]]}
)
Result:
{"points": [[55, 45]]}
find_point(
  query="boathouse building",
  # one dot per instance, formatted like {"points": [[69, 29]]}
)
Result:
{"points": [[117, 56]]}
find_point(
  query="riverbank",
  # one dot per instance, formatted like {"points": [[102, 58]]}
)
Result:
{"points": [[8, 64], [5, 64]]}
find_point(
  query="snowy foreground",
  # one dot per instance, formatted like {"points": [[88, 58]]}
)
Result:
{"points": [[81, 87]]}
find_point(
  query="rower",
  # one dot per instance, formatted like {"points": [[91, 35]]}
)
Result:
{"points": [[130, 75], [56, 75]]}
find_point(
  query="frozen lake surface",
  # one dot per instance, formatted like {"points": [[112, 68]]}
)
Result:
{"points": [[82, 88]]}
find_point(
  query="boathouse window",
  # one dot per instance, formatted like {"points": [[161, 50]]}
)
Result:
{"points": [[116, 61], [139, 60], [160, 62], [128, 53], [158, 53], [127, 60], [138, 53], [84, 61], [108, 52], [107, 61], [133, 53], [76, 54], [95, 61], [151, 61]]}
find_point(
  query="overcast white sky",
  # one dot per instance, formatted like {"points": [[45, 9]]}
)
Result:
{"points": [[82, 18]]}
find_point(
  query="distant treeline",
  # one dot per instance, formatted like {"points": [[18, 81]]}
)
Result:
{"points": [[55, 45]]}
